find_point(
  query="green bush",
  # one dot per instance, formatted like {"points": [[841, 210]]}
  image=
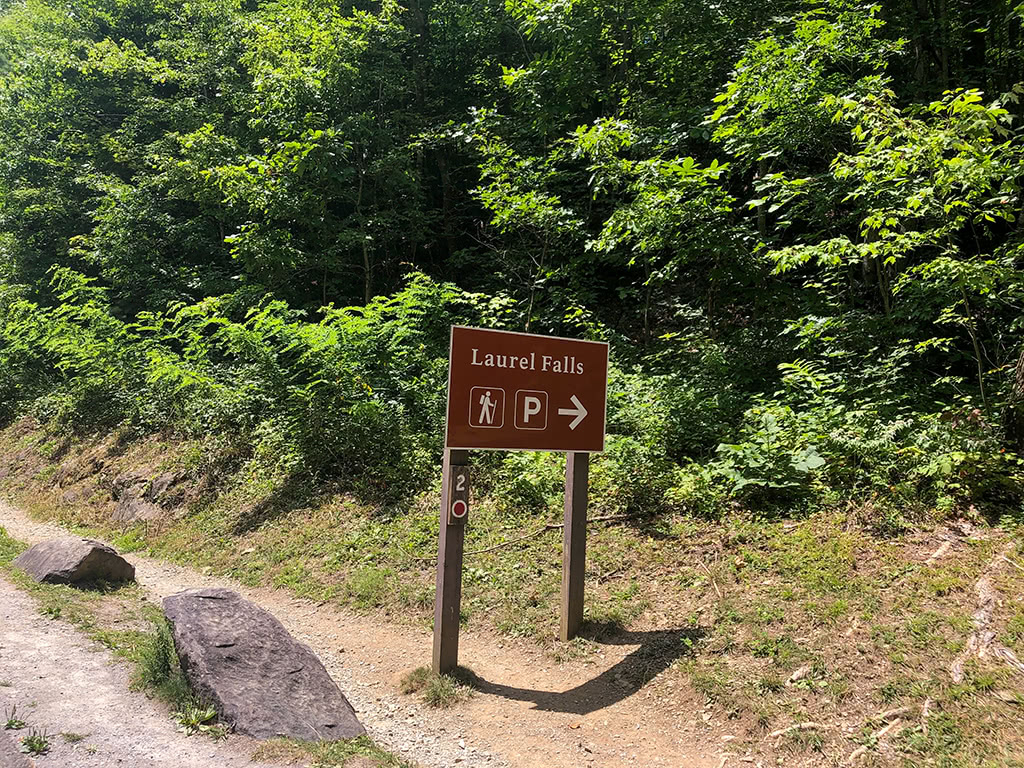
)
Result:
{"points": [[778, 451], [530, 481], [358, 396], [630, 478]]}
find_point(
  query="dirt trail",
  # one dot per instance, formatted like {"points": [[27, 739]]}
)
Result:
{"points": [[63, 683], [529, 711]]}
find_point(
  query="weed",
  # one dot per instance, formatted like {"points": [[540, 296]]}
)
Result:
{"points": [[70, 737], [769, 613], [36, 743], [368, 588], [325, 754], [709, 679], [445, 691], [984, 682], [805, 740], [577, 648], [942, 738], [193, 717], [328, 754], [133, 540], [769, 683], [624, 606], [14, 723], [5, 683], [893, 689], [839, 690], [944, 584], [281, 751], [441, 691], [416, 680], [782, 650], [157, 667]]}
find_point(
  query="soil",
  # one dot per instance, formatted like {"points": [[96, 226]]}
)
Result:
{"points": [[527, 710], [62, 683]]}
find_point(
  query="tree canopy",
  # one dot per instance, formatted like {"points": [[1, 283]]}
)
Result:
{"points": [[797, 221]]}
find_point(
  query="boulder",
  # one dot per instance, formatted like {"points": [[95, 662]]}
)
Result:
{"points": [[72, 496], [10, 755], [140, 498], [129, 490], [161, 487], [135, 509], [264, 683], [71, 561]]}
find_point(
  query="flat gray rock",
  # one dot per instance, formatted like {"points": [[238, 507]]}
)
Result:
{"points": [[262, 681], [72, 561], [10, 754]]}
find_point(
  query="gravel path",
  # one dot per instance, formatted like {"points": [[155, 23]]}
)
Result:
{"points": [[61, 682], [397, 723], [531, 713]]}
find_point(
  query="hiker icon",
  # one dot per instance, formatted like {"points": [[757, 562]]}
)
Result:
{"points": [[487, 407]]}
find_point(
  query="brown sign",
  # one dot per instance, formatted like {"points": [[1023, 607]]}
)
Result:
{"points": [[523, 392]]}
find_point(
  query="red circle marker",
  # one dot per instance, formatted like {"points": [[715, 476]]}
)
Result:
{"points": [[459, 508]]}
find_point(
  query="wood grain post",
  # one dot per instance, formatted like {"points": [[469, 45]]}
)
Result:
{"points": [[574, 542], [449, 567]]}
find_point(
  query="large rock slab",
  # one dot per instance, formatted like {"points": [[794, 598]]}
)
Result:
{"points": [[240, 659], [10, 754], [73, 561]]}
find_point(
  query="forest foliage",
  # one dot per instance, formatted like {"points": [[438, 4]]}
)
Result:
{"points": [[251, 223]]}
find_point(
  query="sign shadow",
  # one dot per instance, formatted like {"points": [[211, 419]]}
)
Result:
{"points": [[657, 651]]}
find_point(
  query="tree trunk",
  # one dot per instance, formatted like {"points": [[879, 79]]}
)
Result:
{"points": [[762, 216], [972, 331], [1015, 408], [367, 265], [447, 192], [533, 285]]}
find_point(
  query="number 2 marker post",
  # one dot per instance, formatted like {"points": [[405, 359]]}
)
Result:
{"points": [[517, 392]]}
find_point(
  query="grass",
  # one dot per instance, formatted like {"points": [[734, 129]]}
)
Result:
{"points": [[326, 754], [438, 691], [148, 647], [755, 600], [14, 723]]}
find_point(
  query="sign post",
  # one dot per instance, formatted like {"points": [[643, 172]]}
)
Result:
{"points": [[454, 511], [517, 392], [574, 543]]}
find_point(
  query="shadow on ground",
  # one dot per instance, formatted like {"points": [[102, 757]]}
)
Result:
{"points": [[657, 651], [293, 494]]}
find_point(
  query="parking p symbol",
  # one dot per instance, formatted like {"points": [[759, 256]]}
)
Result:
{"points": [[531, 409]]}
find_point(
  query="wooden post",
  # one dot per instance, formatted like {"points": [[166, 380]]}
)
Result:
{"points": [[454, 486], [574, 542]]}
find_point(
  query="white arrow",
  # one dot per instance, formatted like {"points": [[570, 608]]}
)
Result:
{"points": [[579, 412]]}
